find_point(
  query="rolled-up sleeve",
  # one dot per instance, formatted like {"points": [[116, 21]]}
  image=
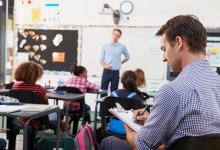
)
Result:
{"points": [[126, 53], [162, 121]]}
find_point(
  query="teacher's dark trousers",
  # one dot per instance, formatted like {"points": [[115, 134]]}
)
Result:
{"points": [[110, 76]]}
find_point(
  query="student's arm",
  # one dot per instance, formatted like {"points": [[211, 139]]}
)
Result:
{"points": [[45, 98]]}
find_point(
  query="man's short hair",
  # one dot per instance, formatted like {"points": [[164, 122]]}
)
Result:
{"points": [[116, 29], [189, 28]]}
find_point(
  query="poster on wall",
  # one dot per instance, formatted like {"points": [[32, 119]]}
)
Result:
{"points": [[55, 50]]}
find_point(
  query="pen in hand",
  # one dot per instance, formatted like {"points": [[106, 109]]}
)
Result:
{"points": [[145, 109], [140, 117]]}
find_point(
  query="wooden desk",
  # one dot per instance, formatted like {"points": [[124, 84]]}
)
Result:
{"points": [[33, 114], [68, 97]]}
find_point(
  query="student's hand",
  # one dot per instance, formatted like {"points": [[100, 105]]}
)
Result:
{"points": [[140, 119], [108, 66]]}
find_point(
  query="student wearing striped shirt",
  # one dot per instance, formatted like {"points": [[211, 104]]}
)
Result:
{"points": [[188, 105]]}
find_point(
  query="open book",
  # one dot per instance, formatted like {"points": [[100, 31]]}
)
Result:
{"points": [[126, 117]]}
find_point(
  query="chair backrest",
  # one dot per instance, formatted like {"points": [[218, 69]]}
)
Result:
{"points": [[145, 95], [25, 96], [206, 142], [69, 89], [75, 91], [126, 103]]}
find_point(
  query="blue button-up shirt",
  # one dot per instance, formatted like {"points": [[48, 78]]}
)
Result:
{"points": [[187, 106], [111, 54]]}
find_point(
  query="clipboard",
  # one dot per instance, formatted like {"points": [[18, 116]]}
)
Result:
{"points": [[126, 116]]}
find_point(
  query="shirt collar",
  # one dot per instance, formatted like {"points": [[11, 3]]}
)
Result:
{"points": [[195, 65]]}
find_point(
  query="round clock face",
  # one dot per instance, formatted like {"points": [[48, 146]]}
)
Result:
{"points": [[126, 7]]}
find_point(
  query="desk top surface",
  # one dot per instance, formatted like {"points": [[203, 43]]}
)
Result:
{"points": [[4, 91], [66, 96], [29, 110]]}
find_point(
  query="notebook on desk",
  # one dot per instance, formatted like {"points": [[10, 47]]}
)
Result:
{"points": [[127, 117], [11, 108]]}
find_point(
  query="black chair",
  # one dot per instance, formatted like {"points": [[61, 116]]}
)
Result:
{"points": [[75, 115], [206, 142], [145, 95], [109, 102], [25, 96]]}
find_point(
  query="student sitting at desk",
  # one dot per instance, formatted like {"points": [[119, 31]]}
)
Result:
{"points": [[26, 76], [141, 80], [79, 80], [129, 90]]}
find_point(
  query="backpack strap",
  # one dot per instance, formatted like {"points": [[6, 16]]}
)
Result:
{"points": [[114, 94], [131, 95]]}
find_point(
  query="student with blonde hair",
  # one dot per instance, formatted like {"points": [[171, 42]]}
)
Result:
{"points": [[141, 80]]}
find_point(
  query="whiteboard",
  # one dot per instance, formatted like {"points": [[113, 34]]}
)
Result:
{"points": [[142, 44]]}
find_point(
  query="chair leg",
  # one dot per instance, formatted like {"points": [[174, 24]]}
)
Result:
{"points": [[75, 125], [11, 135]]}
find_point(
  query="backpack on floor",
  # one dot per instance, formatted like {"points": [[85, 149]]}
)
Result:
{"points": [[47, 141], [85, 139]]}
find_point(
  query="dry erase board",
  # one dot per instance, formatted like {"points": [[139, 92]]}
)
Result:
{"points": [[55, 50], [142, 44]]}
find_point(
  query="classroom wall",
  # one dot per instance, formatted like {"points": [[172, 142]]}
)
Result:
{"points": [[150, 13], [97, 27]]}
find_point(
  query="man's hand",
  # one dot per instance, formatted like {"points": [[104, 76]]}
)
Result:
{"points": [[108, 66], [140, 119]]}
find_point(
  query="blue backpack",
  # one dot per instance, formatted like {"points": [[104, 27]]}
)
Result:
{"points": [[115, 125]]}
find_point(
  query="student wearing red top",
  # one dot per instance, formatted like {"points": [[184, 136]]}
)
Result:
{"points": [[26, 76]]}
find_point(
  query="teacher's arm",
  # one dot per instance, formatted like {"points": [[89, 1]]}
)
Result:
{"points": [[105, 66]]}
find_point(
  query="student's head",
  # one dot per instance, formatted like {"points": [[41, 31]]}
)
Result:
{"points": [[116, 35], [182, 35], [141, 81], [29, 72], [129, 80], [78, 71]]}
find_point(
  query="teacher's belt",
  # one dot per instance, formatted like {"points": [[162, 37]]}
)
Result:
{"points": [[111, 70]]}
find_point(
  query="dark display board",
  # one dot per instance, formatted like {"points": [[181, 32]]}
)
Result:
{"points": [[55, 50]]}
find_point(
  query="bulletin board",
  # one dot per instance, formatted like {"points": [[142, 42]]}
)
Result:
{"points": [[141, 42], [55, 50]]}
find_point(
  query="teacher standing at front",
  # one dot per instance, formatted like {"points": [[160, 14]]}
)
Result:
{"points": [[110, 60]]}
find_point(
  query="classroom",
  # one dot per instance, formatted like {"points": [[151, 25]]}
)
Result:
{"points": [[53, 46]]}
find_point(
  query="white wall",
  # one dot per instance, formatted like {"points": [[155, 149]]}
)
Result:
{"points": [[86, 13], [151, 13]]}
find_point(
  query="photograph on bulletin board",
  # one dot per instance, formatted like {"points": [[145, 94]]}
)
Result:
{"points": [[55, 50]]}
